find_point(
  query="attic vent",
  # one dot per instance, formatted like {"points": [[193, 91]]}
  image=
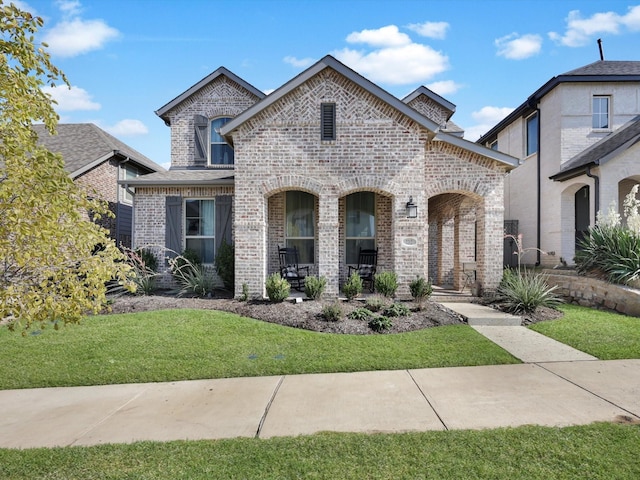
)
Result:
{"points": [[328, 121]]}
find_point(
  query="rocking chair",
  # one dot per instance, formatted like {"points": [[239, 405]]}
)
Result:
{"points": [[289, 268], [367, 264]]}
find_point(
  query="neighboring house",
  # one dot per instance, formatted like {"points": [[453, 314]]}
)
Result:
{"points": [[327, 163], [577, 140], [97, 160]]}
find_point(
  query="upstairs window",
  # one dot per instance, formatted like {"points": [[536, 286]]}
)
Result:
{"points": [[494, 145], [220, 152], [127, 172], [532, 134], [600, 112], [328, 121]]}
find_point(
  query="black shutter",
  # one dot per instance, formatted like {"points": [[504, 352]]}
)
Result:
{"points": [[201, 139], [173, 225], [223, 220], [328, 121]]}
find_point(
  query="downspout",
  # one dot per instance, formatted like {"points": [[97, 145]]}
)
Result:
{"points": [[596, 188], [538, 184]]}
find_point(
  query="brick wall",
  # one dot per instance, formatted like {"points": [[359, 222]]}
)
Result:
{"points": [[102, 182]]}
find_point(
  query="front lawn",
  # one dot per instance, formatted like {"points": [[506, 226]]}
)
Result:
{"points": [[598, 451], [606, 335], [192, 344]]}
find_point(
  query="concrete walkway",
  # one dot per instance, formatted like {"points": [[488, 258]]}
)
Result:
{"points": [[547, 392]]}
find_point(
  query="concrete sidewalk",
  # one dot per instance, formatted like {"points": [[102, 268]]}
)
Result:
{"points": [[553, 394]]}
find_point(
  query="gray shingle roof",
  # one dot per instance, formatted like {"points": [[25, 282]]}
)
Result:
{"points": [[184, 177], [607, 67], [85, 145], [601, 151]]}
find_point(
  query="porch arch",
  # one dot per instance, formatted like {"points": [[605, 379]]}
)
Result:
{"points": [[568, 220]]}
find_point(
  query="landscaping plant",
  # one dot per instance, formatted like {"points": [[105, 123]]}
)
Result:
{"points": [[380, 324], [360, 314], [314, 286], [523, 291], [191, 277], [421, 290], [396, 309], [386, 283], [353, 287], [225, 265], [278, 288], [332, 312], [144, 276], [376, 303]]}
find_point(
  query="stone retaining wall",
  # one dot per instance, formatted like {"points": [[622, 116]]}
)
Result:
{"points": [[591, 292]]}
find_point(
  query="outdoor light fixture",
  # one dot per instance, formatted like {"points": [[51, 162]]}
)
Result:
{"points": [[412, 209]]}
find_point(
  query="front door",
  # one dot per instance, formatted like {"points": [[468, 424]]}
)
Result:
{"points": [[582, 215]]}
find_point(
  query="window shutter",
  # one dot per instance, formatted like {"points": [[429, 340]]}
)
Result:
{"points": [[223, 220], [201, 139], [328, 121], [173, 225]]}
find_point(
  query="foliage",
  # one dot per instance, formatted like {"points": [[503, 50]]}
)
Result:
{"points": [[386, 283], [225, 265], [278, 288], [420, 289], [332, 312], [314, 286], [55, 263], [192, 278], [179, 264], [148, 259], [143, 274], [524, 291], [380, 323], [396, 309], [244, 296], [353, 286], [376, 303], [360, 314]]}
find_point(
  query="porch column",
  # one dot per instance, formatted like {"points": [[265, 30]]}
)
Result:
{"points": [[328, 243], [465, 239], [410, 237], [490, 244], [250, 243]]}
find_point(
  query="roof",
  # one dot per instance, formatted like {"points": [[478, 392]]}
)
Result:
{"points": [[162, 111], [600, 71], [602, 151], [457, 141], [327, 62], [443, 102], [84, 146], [183, 177]]}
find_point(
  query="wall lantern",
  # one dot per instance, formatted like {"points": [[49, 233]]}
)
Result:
{"points": [[412, 209]]}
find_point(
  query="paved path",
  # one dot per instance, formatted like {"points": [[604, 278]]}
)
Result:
{"points": [[546, 392]]}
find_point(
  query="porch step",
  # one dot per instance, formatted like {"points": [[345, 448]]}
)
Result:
{"points": [[483, 315]]}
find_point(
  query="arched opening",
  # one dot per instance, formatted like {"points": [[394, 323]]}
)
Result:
{"points": [[582, 215]]}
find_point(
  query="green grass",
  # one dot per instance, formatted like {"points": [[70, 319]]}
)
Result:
{"points": [[598, 451], [608, 336], [191, 344]]}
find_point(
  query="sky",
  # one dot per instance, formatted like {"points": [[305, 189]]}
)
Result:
{"points": [[125, 59]]}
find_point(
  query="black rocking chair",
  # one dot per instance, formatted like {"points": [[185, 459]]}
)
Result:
{"points": [[289, 268], [367, 264]]}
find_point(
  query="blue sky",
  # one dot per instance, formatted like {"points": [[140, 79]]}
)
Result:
{"points": [[127, 58]]}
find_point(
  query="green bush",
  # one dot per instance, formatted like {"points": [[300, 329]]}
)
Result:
{"points": [[148, 259], [396, 309], [314, 286], [225, 265], [186, 260], [386, 283], [142, 275], [360, 314], [376, 303], [277, 288], [380, 324], [420, 289], [244, 296], [523, 292], [332, 313], [353, 287], [610, 251]]}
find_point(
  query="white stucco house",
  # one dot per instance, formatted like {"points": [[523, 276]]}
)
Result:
{"points": [[328, 163], [577, 139]]}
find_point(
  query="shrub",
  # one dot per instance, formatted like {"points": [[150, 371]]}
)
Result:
{"points": [[420, 289], [244, 296], [396, 309], [360, 314], [353, 287], [142, 275], [386, 283], [375, 303], [193, 279], [277, 288], [523, 292], [188, 259], [380, 324], [225, 265], [148, 259], [332, 313], [314, 286]]}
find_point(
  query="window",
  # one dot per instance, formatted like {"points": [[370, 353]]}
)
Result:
{"points": [[360, 224], [532, 134], [328, 121], [127, 172], [199, 228], [220, 152], [300, 224], [494, 145], [600, 112]]}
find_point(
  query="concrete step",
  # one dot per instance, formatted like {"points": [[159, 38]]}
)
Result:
{"points": [[482, 315]]}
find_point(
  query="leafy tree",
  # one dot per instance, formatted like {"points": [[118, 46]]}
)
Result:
{"points": [[55, 262]]}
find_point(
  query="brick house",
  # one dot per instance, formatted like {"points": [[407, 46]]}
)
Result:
{"points": [[97, 160], [328, 163], [577, 141]]}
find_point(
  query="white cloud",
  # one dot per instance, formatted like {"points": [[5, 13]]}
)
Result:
{"points": [[69, 7], [299, 62], [444, 87], [75, 37], [71, 99], [127, 128], [487, 117], [518, 47], [430, 29], [388, 36], [581, 31]]}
